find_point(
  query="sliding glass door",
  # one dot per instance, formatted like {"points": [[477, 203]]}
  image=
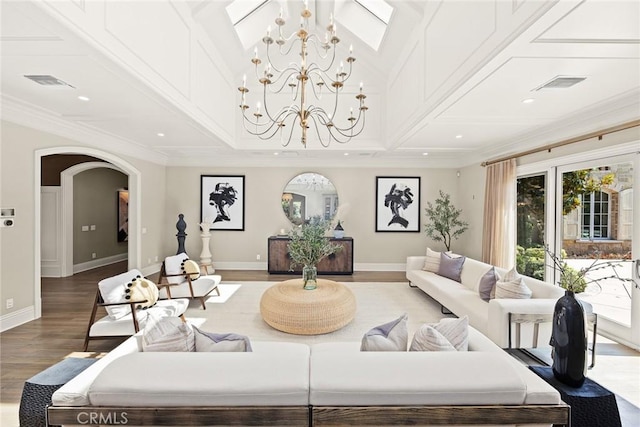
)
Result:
{"points": [[587, 211], [596, 205]]}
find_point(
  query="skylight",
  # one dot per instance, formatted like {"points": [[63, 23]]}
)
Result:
{"points": [[367, 19], [239, 10], [378, 8]]}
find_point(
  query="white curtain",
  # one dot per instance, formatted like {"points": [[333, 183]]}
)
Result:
{"points": [[499, 230]]}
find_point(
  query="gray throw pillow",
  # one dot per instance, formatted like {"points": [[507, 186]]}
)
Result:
{"points": [[487, 285], [451, 267], [392, 336], [212, 342]]}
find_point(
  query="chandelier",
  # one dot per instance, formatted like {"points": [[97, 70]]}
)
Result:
{"points": [[302, 79]]}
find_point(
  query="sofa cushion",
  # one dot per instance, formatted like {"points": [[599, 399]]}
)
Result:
{"points": [[413, 378], [450, 334], [392, 336], [272, 378], [76, 391], [202, 286], [451, 267], [432, 261], [512, 286], [209, 341]]}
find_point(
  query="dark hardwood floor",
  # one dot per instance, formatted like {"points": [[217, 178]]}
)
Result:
{"points": [[66, 307]]}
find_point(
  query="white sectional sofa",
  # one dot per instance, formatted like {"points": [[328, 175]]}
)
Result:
{"points": [[492, 317], [327, 384]]}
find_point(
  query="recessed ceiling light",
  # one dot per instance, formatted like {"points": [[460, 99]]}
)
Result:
{"points": [[160, 134], [346, 154], [83, 98], [528, 100], [458, 136], [276, 154], [425, 154]]}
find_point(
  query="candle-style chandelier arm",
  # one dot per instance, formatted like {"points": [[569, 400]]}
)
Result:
{"points": [[326, 46], [286, 78], [282, 52]]}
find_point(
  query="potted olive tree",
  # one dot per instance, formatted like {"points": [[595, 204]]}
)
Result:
{"points": [[308, 246], [443, 220]]}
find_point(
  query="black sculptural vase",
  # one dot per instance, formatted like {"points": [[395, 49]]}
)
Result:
{"points": [[569, 341]]}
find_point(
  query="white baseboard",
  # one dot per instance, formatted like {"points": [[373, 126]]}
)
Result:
{"points": [[100, 262], [51, 270], [263, 266], [240, 265], [17, 318], [380, 266]]}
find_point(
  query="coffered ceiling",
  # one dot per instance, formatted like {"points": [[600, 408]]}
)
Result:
{"points": [[447, 78]]}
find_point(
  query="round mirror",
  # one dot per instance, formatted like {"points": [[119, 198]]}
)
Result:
{"points": [[309, 196]]}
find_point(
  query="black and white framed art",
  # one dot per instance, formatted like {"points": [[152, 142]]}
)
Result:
{"points": [[398, 203], [222, 201]]}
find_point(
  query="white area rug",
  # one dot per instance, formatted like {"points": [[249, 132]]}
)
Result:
{"points": [[226, 290], [377, 303]]}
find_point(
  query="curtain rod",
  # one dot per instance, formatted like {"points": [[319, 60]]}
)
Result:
{"points": [[549, 147]]}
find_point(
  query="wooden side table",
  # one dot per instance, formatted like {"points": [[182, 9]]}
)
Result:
{"points": [[519, 318]]}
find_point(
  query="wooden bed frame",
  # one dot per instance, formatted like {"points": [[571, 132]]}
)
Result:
{"points": [[558, 415]]}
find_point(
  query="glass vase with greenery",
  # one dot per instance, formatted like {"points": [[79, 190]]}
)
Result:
{"points": [[444, 222], [308, 246]]}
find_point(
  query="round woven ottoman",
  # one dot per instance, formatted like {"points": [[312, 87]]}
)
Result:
{"points": [[287, 307]]}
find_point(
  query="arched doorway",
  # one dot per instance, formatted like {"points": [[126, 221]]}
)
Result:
{"points": [[134, 185]]}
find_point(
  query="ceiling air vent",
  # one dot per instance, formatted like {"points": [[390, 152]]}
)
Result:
{"points": [[47, 80], [561, 82]]}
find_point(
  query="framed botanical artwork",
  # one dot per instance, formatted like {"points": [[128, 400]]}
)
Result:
{"points": [[398, 203], [123, 215], [222, 201]]}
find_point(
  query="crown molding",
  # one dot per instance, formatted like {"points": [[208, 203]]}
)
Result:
{"points": [[28, 115]]}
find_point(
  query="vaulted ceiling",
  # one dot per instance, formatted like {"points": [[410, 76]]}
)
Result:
{"points": [[458, 80]]}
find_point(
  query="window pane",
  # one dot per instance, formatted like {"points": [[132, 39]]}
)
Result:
{"points": [[530, 225]]}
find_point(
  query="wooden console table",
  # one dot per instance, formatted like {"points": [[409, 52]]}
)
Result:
{"points": [[338, 263]]}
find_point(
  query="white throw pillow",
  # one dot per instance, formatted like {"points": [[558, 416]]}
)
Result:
{"points": [[167, 334], [432, 336], [392, 336], [432, 261], [512, 286], [112, 290], [427, 338], [173, 265], [212, 342]]}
